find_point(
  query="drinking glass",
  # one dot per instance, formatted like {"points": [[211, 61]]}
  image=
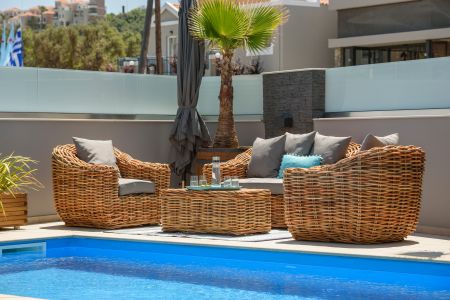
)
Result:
{"points": [[235, 181], [202, 180], [194, 181], [227, 181]]}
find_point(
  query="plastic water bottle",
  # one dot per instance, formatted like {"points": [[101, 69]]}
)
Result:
{"points": [[215, 181]]}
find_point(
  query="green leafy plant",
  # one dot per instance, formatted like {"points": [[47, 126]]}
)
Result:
{"points": [[228, 25], [17, 175]]}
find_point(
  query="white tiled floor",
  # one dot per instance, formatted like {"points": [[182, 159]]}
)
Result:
{"points": [[416, 247]]}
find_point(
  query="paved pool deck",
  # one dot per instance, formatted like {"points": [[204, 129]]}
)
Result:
{"points": [[415, 247]]}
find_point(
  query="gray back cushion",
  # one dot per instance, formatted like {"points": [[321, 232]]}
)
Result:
{"points": [[371, 141], [95, 152], [299, 144], [135, 186], [266, 157], [331, 148]]}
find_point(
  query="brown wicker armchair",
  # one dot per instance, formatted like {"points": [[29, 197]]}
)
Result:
{"points": [[87, 195], [238, 167], [371, 197]]}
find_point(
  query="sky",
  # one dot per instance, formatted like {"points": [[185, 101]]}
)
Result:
{"points": [[114, 6]]}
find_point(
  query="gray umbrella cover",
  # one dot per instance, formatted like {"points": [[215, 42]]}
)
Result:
{"points": [[189, 131]]}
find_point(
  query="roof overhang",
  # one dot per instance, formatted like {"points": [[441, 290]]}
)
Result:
{"points": [[348, 4], [390, 38]]}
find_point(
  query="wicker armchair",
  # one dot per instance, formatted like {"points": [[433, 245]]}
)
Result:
{"points": [[238, 167], [87, 195], [371, 197]]}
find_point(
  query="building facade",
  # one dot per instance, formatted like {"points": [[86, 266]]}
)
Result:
{"points": [[300, 43], [378, 31], [64, 13]]}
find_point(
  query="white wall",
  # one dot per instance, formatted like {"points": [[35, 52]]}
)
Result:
{"points": [[305, 38], [302, 42]]}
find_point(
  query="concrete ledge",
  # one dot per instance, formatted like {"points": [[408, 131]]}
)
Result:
{"points": [[390, 38], [43, 219], [433, 230], [346, 4]]}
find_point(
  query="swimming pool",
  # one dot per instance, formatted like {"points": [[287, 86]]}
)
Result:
{"points": [[87, 268]]}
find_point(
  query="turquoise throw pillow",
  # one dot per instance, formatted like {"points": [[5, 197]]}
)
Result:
{"points": [[295, 161]]}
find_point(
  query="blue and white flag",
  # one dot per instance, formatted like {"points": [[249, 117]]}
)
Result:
{"points": [[3, 45], [9, 47], [16, 59]]}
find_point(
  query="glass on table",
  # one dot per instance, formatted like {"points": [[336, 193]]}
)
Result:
{"points": [[194, 180], [235, 181], [202, 180], [227, 181]]}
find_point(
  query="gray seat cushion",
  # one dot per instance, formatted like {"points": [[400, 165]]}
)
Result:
{"points": [[331, 148], [266, 157], [129, 186], [299, 144], [372, 141], [275, 185]]}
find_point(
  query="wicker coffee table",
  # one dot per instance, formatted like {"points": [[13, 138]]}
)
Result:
{"points": [[241, 212]]}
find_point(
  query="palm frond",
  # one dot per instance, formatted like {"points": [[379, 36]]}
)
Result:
{"points": [[228, 26], [220, 21], [264, 20]]}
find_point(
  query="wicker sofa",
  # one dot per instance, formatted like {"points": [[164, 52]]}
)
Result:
{"points": [[87, 195], [374, 196], [238, 167]]}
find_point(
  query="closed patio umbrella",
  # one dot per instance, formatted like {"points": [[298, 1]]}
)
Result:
{"points": [[189, 131]]}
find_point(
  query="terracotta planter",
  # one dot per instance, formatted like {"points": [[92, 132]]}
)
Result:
{"points": [[205, 155], [15, 210]]}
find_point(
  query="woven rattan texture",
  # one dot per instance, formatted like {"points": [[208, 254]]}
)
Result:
{"points": [[371, 197], [224, 212], [87, 195], [238, 167]]}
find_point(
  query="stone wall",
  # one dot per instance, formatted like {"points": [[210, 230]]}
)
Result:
{"points": [[292, 99]]}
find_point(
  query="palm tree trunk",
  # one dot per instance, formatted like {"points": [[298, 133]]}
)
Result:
{"points": [[226, 131], [159, 60], [146, 37]]}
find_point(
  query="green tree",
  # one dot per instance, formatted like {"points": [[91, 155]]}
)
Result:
{"points": [[28, 45], [132, 41], [83, 47], [132, 21], [33, 23], [101, 45], [42, 10], [228, 26]]}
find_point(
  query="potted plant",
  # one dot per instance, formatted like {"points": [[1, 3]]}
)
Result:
{"points": [[228, 25], [16, 177]]}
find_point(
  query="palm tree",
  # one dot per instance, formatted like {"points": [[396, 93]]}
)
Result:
{"points": [[228, 26], [42, 10], [158, 51], [146, 37]]}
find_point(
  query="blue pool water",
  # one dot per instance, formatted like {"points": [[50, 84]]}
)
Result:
{"points": [[82, 268]]}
